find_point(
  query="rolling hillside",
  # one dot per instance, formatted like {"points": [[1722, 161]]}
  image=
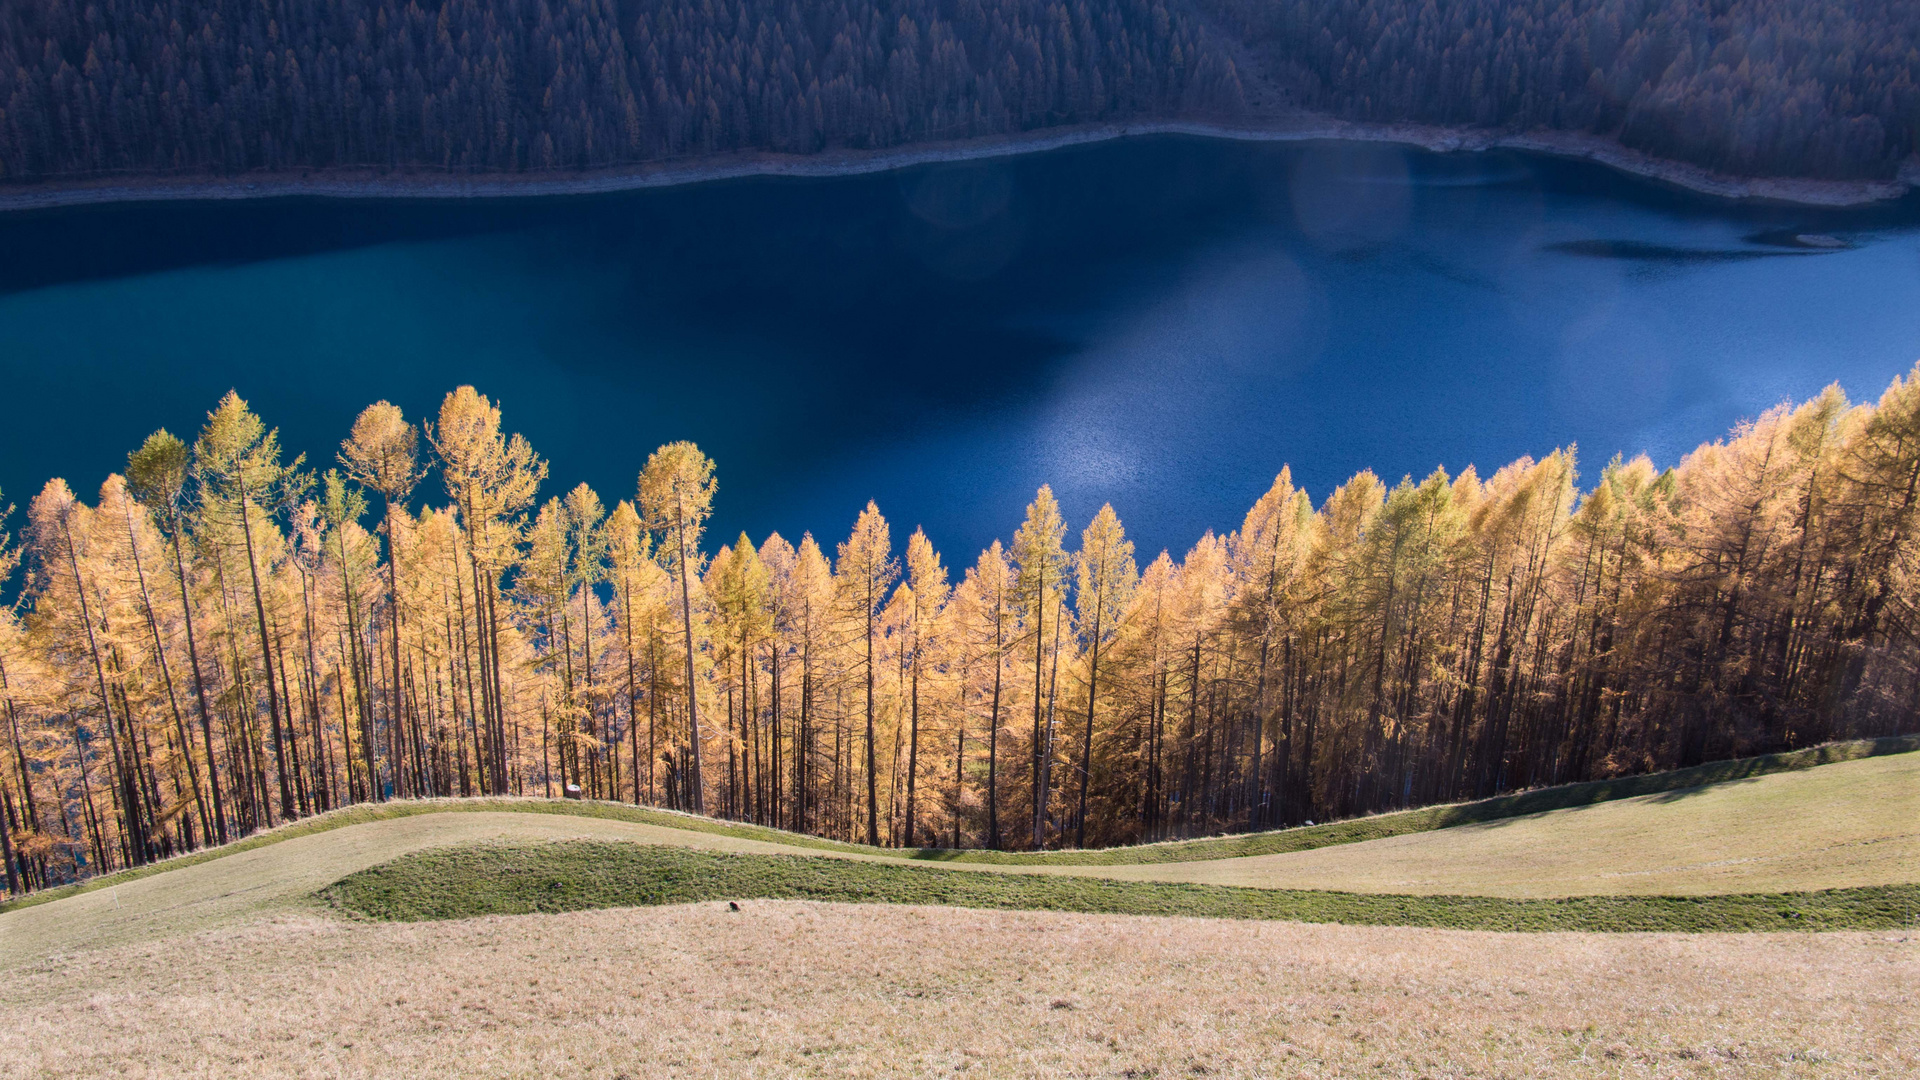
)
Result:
{"points": [[1855, 823], [258, 977], [1845, 825]]}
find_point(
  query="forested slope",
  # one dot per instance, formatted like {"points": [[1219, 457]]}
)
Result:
{"points": [[1820, 88], [229, 85], [1826, 88]]}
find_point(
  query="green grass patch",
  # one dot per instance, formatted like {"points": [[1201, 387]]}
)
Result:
{"points": [[456, 883]]}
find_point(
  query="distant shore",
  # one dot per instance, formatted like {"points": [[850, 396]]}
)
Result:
{"points": [[370, 184]]}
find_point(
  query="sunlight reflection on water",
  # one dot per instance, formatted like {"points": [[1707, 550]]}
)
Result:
{"points": [[1161, 324]]}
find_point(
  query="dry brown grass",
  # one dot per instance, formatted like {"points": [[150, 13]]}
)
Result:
{"points": [[786, 988], [228, 968]]}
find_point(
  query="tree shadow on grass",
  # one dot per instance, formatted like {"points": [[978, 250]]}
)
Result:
{"points": [[1687, 793]]}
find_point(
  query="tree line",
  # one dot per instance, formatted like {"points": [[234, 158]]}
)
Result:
{"points": [[227, 639], [1823, 88], [226, 86]]}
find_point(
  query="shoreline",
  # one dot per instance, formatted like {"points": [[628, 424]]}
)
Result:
{"points": [[369, 184]]}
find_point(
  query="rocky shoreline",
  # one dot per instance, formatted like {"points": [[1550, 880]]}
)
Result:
{"points": [[392, 185]]}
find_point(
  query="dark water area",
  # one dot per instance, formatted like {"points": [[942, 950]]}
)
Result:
{"points": [[1157, 323]]}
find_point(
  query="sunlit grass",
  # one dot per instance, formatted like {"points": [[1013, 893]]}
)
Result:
{"points": [[1852, 823], [1380, 826], [797, 989]]}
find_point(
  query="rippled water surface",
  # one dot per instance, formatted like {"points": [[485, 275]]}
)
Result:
{"points": [[1160, 324]]}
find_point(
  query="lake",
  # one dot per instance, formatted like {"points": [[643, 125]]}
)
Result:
{"points": [[1160, 323]]}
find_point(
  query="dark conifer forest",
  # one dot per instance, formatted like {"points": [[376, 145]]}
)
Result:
{"points": [[226, 86], [1816, 88], [1824, 88]]}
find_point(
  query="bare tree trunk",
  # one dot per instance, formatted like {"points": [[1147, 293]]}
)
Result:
{"points": [[1086, 739], [686, 622], [873, 795], [913, 740], [166, 670], [266, 659], [200, 691]]}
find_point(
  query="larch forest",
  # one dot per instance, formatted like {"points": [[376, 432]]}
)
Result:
{"points": [[227, 639]]}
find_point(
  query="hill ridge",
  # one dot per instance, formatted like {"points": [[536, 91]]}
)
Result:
{"points": [[1272, 842]]}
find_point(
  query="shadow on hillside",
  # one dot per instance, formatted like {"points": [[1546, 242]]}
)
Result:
{"points": [[1688, 793]]}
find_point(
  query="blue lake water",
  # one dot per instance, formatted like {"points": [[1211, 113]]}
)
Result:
{"points": [[1159, 323]]}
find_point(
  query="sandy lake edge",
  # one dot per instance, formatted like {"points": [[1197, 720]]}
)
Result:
{"points": [[346, 184]]}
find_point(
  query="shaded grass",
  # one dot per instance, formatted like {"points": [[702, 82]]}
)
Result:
{"points": [[1275, 842], [1428, 819], [456, 883]]}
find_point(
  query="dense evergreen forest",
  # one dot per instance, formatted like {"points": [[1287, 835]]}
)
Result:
{"points": [[226, 639], [230, 85], [1827, 88]]}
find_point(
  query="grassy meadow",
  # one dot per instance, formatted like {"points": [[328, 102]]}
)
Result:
{"points": [[1765, 920]]}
